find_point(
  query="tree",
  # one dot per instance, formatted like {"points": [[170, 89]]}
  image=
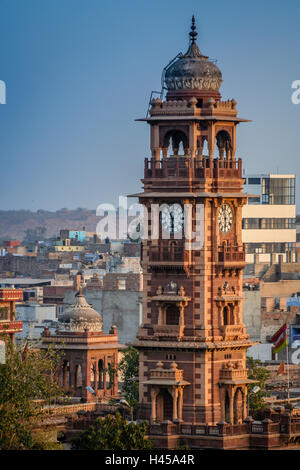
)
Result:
{"points": [[129, 368], [113, 433], [26, 381], [260, 374]]}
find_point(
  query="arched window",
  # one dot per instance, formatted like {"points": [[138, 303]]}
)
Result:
{"points": [[226, 315], [175, 141], [100, 374], [224, 144]]}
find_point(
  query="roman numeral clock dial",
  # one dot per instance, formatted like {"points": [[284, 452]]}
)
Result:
{"points": [[225, 218]]}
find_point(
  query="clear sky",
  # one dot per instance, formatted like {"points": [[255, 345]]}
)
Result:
{"points": [[78, 72]]}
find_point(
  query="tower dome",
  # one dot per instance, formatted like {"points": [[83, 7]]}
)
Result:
{"points": [[80, 316], [192, 74]]}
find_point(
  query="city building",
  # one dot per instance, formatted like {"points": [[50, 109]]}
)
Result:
{"points": [[269, 218], [35, 316], [8, 323], [90, 357]]}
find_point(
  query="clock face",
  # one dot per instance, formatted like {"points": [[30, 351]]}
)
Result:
{"points": [[225, 218], [172, 218]]}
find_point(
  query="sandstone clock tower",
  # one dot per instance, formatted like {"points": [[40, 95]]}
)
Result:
{"points": [[192, 341]]}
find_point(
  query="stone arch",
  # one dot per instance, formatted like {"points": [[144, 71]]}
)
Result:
{"points": [[100, 374], [66, 375], [227, 407], [238, 405], [78, 376], [164, 406], [175, 137], [223, 140], [226, 315], [93, 375]]}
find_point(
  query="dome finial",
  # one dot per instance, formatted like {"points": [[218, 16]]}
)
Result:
{"points": [[193, 33]]}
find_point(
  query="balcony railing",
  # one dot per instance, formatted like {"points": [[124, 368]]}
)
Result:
{"points": [[186, 167], [11, 326], [231, 255], [168, 252]]}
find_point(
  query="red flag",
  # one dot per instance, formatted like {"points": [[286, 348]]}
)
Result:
{"points": [[281, 369], [277, 335]]}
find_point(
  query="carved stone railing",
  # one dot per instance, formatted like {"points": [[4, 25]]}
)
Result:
{"points": [[168, 331], [11, 295], [229, 331], [171, 374], [11, 326], [186, 167], [233, 374], [231, 255]]}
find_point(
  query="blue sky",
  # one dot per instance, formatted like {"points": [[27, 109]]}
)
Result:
{"points": [[79, 72]]}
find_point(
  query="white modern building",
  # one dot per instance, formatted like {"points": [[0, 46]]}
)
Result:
{"points": [[35, 317], [269, 218]]}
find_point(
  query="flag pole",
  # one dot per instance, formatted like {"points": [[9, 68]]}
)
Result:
{"points": [[287, 368]]}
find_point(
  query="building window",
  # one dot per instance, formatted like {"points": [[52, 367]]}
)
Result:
{"points": [[268, 248], [253, 200], [268, 223], [4, 313], [279, 191], [121, 284], [254, 181]]}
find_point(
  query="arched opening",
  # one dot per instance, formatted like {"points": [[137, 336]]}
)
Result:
{"points": [[66, 375], [227, 405], [164, 406], [78, 376], [93, 375], [224, 145], [172, 315], [175, 142], [238, 407], [110, 376], [226, 316], [100, 374]]}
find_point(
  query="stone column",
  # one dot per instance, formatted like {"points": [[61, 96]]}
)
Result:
{"points": [[96, 372], [180, 403], [174, 393], [245, 407], [231, 395], [154, 393], [104, 373]]}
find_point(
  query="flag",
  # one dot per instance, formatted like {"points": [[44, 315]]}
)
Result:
{"points": [[279, 339], [281, 368]]}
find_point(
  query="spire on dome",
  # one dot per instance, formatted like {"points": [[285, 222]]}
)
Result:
{"points": [[193, 33]]}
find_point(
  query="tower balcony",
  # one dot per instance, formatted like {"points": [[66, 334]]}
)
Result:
{"points": [[233, 374], [10, 327], [168, 252], [187, 167], [232, 331], [231, 256], [168, 331]]}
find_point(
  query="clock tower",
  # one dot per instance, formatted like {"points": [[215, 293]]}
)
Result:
{"points": [[192, 341]]}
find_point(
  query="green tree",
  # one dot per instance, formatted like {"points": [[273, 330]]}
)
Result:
{"points": [[260, 374], [113, 433], [129, 368], [26, 382]]}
